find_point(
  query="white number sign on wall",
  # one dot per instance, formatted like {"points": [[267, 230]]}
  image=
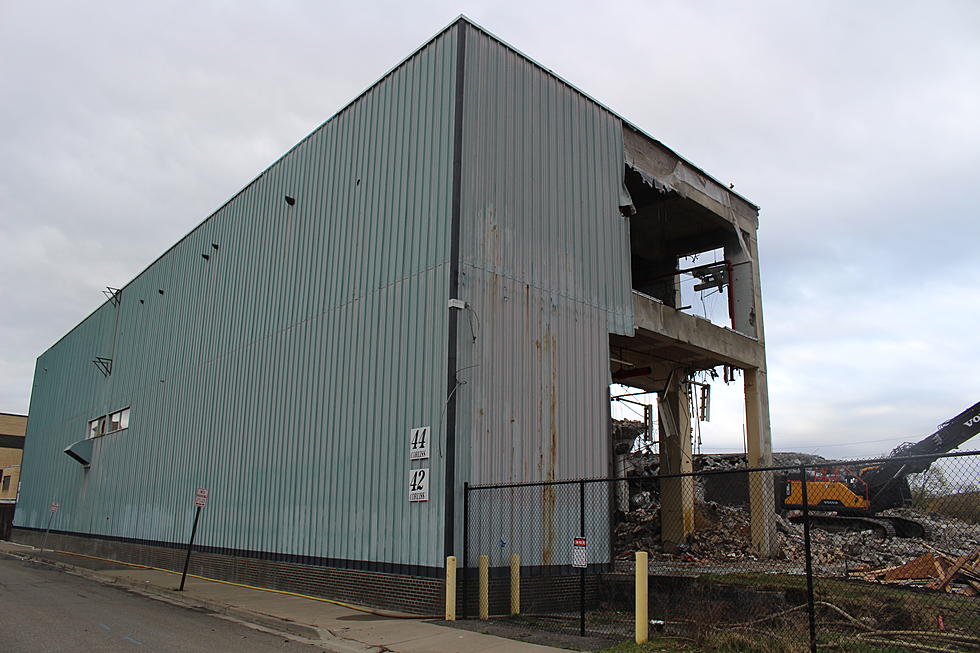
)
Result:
{"points": [[418, 443], [418, 485]]}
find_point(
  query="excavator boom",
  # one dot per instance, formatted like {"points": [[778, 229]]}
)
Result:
{"points": [[885, 485], [888, 482]]}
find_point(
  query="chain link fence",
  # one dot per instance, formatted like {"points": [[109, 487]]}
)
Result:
{"points": [[872, 555]]}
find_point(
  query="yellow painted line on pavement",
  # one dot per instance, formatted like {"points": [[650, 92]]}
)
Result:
{"points": [[261, 589]]}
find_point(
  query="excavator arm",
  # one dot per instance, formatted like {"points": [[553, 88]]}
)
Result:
{"points": [[888, 482]]}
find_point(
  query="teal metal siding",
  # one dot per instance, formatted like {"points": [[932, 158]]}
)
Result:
{"points": [[284, 373]]}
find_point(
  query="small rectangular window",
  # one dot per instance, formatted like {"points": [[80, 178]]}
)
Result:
{"points": [[118, 420], [6, 483], [96, 427]]}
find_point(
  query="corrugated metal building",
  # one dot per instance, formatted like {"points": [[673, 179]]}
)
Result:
{"points": [[282, 352]]}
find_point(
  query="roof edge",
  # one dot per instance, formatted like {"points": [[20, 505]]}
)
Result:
{"points": [[265, 171], [461, 18], [604, 107]]}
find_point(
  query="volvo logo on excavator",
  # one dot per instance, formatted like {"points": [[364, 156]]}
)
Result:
{"points": [[973, 420]]}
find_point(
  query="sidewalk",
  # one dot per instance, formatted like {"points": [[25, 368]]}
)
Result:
{"points": [[332, 627]]}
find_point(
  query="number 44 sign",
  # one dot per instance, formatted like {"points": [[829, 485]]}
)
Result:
{"points": [[418, 443], [418, 485]]}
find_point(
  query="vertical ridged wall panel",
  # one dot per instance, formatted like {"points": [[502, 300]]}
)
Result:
{"points": [[284, 373], [545, 269]]}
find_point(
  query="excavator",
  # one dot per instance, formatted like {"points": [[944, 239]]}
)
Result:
{"points": [[858, 494]]}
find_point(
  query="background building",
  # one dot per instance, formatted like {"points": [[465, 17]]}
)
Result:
{"points": [[437, 286], [12, 430]]}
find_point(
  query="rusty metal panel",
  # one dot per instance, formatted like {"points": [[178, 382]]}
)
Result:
{"points": [[544, 268], [290, 351], [545, 273]]}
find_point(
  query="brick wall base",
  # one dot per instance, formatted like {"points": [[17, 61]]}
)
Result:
{"points": [[413, 594], [542, 589]]}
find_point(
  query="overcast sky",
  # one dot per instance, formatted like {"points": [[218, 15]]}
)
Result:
{"points": [[853, 125]]}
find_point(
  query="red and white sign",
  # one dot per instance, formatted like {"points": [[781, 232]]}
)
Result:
{"points": [[580, 555], [201, 497], [55, 507]]}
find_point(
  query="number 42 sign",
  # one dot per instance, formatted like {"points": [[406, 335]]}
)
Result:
{"points": [[418, 485]]}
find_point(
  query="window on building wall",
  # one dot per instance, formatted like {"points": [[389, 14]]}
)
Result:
{"points": [[6, 483], [96, 427], [110, 423], [118, 420]]}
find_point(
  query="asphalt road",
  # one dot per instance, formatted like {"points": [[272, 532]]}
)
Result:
{"points": [[45, 609]]}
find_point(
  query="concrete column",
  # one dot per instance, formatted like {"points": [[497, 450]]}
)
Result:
{"points": [[759, 442], [747, 294], [676, 494]]}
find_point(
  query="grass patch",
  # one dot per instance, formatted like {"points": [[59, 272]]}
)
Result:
{"points": [[726, 642], [961, 506], [881, 606], [656, 644]]}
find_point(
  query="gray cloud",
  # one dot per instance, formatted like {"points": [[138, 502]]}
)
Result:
{"points": [[852, 125]]}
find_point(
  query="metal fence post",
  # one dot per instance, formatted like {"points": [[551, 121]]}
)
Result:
{"points": [[44, 540], [190, 545], [810, 608], [581, 577], [466, 546]]}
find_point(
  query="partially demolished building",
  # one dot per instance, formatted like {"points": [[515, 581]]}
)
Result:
{"points": [[435, 287]]}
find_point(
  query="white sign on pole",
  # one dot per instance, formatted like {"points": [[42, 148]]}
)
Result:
{"points": [[418, 485], [201, 497], [580, 553], [55, 507], [418, 443]]}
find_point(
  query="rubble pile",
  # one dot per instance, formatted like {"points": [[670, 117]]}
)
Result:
{"points": [[722, 533], [865, 549], [935, 571], [625, 432], [639, 463], [949, 560]]}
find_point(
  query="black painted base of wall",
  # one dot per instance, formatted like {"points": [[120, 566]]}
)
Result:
{"points": [[413, 594], [6, 519], [546, 593], [544, 589]]}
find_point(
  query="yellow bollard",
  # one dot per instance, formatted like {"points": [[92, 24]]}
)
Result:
{"points": [[484, 587], [451, 588], [515, 584], [642, 616]]}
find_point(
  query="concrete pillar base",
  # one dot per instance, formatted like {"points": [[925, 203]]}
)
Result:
{"points": [[676, 494]]}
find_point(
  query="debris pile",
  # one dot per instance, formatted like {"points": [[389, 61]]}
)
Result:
{"points": [[722, 533], [639, 463], [933, 570]]}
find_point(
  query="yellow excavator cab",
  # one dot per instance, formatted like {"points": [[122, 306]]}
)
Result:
{"points": [[826, 495]]}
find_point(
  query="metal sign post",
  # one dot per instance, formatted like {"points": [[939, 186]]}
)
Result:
{"points": [[200, 500], [810, 606], [580, 557], [54, 508]]}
